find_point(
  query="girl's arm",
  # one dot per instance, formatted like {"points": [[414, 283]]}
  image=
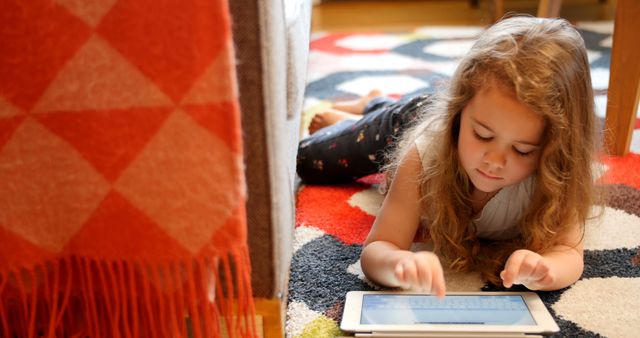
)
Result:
{"points": [[555, 269], [386, 258]]}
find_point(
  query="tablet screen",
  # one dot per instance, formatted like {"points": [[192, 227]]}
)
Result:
{"points": [[454, 309]]}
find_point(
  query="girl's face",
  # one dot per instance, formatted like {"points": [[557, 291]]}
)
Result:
{"points": [[500, 139]]}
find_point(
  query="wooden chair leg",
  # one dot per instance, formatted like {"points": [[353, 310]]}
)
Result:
{"points": [[624, 79], [497, 10], [549, 8]]}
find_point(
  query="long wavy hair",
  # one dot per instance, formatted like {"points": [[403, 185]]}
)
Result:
{"points": [[543, 62]]}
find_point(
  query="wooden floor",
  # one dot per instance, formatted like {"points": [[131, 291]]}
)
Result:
{"points": [[398, 15]]}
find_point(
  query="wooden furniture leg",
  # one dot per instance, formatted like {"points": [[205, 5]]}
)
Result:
{"points": [[624, 78], [498, 10], [546, 9], [549, 8]]}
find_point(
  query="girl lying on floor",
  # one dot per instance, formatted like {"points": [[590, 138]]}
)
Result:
{"points": [[496, 172]]}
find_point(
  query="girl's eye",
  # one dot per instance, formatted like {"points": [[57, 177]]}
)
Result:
{"points": [[523, 153], [481, 138]]}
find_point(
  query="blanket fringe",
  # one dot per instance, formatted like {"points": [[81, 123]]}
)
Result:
{"points": [[84, 297]]}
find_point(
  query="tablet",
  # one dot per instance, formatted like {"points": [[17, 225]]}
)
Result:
{"points": [[411, 314]]}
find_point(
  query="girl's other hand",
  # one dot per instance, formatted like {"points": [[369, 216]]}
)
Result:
{"points": [[527, 268], [421, 271]]}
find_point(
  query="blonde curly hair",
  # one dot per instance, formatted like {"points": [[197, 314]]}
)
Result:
{"points": [[543, 62]]}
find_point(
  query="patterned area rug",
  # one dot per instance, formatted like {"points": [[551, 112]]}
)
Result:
{"points": [[333, 221]]}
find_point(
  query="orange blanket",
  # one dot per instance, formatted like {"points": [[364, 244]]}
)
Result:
{"points": [[121, 178]]}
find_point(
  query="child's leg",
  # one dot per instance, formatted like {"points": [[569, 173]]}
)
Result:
{"points": [[342, 110], [351, 149]]}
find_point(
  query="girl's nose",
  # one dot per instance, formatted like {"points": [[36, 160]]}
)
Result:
{"points": [[495, 158]]}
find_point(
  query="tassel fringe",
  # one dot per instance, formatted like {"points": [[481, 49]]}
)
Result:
{"points": [[83, 297]]}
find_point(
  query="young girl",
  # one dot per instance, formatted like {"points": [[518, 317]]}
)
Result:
{"points": [[496, 172]]}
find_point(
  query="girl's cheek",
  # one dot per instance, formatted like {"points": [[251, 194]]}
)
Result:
{"points": [[528, 165]]}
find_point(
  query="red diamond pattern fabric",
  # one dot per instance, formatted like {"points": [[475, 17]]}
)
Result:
{"points": [[108, 139], [34, 49], [121, 179], [171, 41]]}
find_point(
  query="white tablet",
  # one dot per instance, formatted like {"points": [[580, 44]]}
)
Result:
{"points": [[460, 314]]}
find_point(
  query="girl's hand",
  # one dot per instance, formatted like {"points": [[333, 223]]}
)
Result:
{"points": [[527, 268], [421, 271]]}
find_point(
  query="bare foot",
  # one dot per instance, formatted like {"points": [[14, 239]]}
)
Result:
{"points": [[328, 118], [357, 106]]}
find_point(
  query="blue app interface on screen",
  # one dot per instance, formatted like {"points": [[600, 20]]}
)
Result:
{"points": [[454, 309]]}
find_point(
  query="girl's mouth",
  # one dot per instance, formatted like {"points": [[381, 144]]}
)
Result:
{"points": [[491, 177]]}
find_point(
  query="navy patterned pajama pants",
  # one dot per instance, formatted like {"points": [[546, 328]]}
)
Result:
{"points": [[351, 149]]}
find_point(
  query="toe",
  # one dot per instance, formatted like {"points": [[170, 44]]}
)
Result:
{"points": [[313, 127], [375, 92]]}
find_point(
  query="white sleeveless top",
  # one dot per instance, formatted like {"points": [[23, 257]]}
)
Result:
{"points": [[499, 218]]}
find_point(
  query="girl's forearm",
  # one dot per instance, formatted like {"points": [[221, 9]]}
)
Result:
{"points": [[566, 264], [378, 261]]}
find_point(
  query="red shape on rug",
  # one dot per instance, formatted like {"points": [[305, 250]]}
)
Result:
{"points": [[636, 259], [328, 44], [327, 208], [623, 170], [372, 179]]}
